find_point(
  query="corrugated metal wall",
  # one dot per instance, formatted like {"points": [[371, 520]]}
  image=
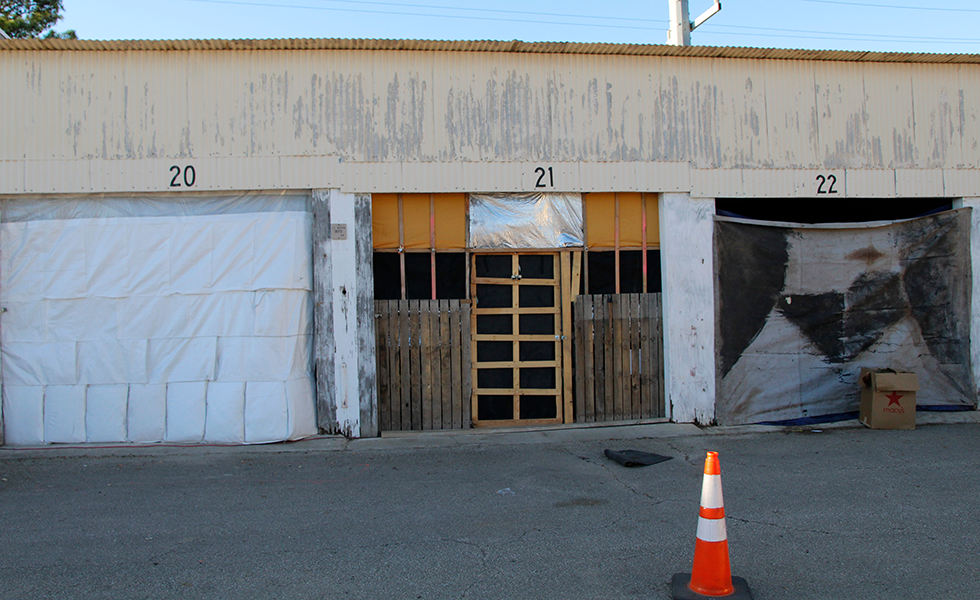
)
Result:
{"points": [[312, 110]]}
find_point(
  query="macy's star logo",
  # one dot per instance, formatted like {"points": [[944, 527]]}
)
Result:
{"points": [[893, 398]]}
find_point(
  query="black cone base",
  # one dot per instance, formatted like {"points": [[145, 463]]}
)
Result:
{"points": [[680, 591]]}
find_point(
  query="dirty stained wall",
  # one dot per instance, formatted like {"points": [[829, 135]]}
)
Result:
{"points": [[415, 106]]}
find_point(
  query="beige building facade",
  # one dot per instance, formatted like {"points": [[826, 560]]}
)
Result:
{"points": [[273, 140]]}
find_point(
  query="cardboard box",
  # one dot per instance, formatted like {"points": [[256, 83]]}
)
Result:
{"points": [[888, 398]]}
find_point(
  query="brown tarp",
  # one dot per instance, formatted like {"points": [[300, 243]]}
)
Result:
{"points": [[801, 308]]}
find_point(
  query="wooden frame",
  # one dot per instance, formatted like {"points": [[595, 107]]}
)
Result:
{"points": [[562, 392]]}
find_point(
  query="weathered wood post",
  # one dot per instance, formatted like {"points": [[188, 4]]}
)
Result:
{"points": [[343, 315]]}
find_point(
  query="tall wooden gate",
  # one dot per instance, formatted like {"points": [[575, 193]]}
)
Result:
{"points": [[521, 346], [619, 363]]}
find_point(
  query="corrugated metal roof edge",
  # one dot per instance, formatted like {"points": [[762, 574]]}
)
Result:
{"points": [[484, 46]]}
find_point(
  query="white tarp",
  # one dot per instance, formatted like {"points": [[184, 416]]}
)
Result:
{"points": [[178, 319]]}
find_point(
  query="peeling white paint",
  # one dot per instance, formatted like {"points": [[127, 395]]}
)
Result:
{"points": [[687, 267], [383, 106], [344, 269]]}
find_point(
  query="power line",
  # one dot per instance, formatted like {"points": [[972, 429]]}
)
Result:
{"points": [[709, 30], [871, 37], [498, 10], [412, 14], [932, 8], [849, 37]]}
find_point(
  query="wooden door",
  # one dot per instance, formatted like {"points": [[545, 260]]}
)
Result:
{"points": [[520, 339]]}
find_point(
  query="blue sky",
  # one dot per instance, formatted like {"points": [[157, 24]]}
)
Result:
{"points": [[879, 25]]}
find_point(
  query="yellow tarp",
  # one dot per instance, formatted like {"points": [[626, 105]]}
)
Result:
{"points": [[450, 221], [600, 219]]}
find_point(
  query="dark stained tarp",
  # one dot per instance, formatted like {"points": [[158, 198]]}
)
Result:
{"points": [[800, 309]]}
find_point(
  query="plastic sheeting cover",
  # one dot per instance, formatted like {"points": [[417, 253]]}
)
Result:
{"points": [[538, 220], [181, 319], [95, 206], [802, 308]]}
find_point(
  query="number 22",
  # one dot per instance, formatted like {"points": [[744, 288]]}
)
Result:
{"points": [[832, 179]]}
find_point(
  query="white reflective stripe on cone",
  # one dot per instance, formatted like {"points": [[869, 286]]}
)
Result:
{"points": [[711, 492], [712, 530]]}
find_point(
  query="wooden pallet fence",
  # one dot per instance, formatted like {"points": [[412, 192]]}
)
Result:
{"points": [[423, 364], [619, 367]]}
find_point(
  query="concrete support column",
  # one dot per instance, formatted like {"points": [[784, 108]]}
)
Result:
{"points": [[687, 265], [974, 204], [343, 295]]}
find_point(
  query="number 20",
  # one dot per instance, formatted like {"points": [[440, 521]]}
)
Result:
{"points": [[190, 176]]}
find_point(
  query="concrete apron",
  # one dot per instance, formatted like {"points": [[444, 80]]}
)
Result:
{"points": [[462, 437]]}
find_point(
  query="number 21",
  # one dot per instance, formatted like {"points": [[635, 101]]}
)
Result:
{"points": [[551, 177]]}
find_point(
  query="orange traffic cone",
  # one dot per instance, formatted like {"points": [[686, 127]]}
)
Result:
{"points": [[711, 575]]}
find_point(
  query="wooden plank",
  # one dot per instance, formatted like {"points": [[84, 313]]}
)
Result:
{"points": [[588, 362], [566, 333], [609, 373], [579, 346], [474, 305], [528, 310], [513, 364], [627, 359], [415, 360], [445, 363], [425, 353], [523, 281], [405, 351], [394, 366], [465, 325], [634, 323], [384, 384], [456, 364], [599, 361], [576, 274], [617, 357], [363, 303], [515, 391], [511, 337], [515, 320], [659, 345], [627, 343], [647, 377], [324, 346], [435, 362], [385, 365]]}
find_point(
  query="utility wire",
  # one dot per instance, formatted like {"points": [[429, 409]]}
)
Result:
{"points": [[412, 14], [710, 30], [869, 36], [932, 8], [849, 37], [498, 10]]}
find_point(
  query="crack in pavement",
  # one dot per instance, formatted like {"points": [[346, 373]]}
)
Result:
{"points": [[686, 456], [486, 568], [751, 522]]}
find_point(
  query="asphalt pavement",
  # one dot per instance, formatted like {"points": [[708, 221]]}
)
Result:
{"points": [[816, 512]]}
